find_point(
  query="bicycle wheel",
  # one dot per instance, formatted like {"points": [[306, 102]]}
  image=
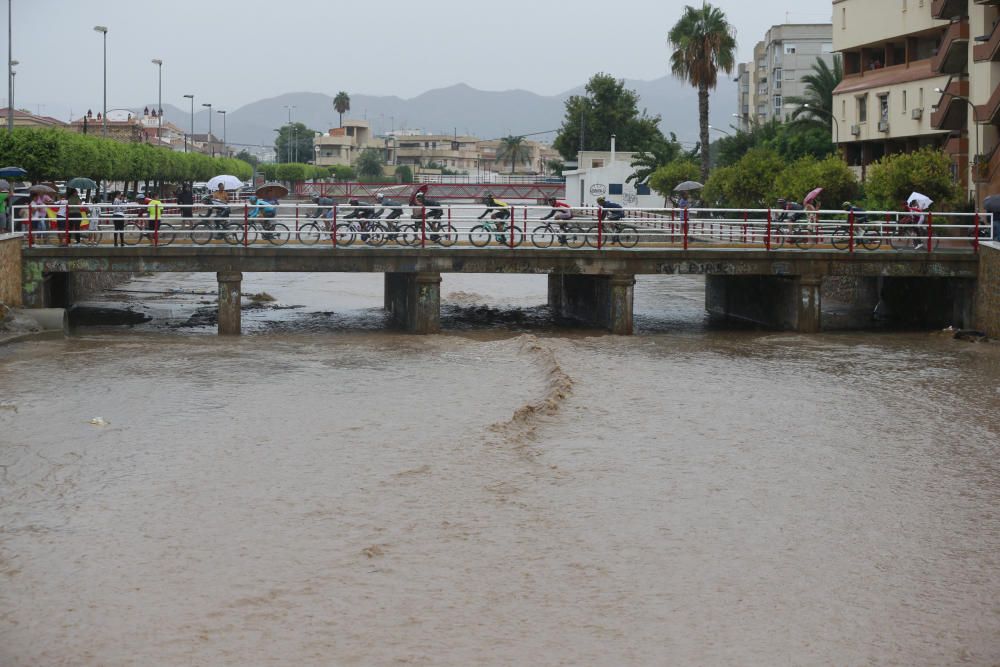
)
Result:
{"points": [[778, 235], [202, 233], [233, 234], [344, 235], [628, 237], [871, 240], [277, 235], [447, 236], [479, 236], [408, 235], [590, 236], [511, 239], [542, 236], [166, 234], [575, 237], [377, 235], [800, 237], [309, 234], [903, 239], [133, 234], [841, 238]]}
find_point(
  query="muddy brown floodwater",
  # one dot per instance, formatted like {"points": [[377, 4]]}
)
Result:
{"points": [[322, 491]]}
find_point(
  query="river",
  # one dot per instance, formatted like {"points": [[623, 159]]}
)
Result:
{"points": [[323, 491]]}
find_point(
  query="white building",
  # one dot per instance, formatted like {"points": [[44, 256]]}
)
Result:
{"points": [[604, 173]]}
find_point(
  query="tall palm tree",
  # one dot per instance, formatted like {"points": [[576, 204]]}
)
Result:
{"points": [[703, 43], [342, 104], [819, 93], [514, 149]]}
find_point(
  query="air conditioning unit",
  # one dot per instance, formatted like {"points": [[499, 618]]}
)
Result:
{"points": [[883, 126], [917, 114], [855, 130]]}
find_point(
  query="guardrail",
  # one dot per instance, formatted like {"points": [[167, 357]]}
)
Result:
{"points": [[343, 226]]}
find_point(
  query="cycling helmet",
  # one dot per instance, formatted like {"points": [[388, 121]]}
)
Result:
{"points": [[847, 205], [315, 199], [781, 202], [600, 200], [420, 195], [354, 202], [252, 200], [380, 196]]}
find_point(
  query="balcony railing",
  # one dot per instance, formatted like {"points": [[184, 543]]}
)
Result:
{"points": [[952, 56], [989, 112], [951, 112], [989, 49], [949, 9]]}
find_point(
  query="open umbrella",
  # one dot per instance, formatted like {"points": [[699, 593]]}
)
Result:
{"points": [[422, 189], [992, 204], [812, 195], [687, 186], [923, 202], [272, 191], [228, 182], [13, 172], [82, 183], [41, 188]]}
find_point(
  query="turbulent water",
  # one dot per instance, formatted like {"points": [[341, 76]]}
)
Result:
{"points": [[323, 491]]}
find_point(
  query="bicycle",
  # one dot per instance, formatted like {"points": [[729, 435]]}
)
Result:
{"points": [[480, 235], [136, 231], [864, 236], [568, 235], [909, 234], [275, 233], [442, 233], [613, 232]]}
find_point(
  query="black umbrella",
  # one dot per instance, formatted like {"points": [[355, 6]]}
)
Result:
{"points": [[992, 204], [13, 172]]}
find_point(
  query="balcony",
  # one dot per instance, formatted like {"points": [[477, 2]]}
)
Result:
{"points": [[949, 9], [952, 113], [986, 167], [990, 112], [989, 48], [952, 56]]}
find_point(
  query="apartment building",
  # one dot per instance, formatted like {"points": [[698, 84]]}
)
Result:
{"points": [[898, 55], [786, 54], [341, 145]]}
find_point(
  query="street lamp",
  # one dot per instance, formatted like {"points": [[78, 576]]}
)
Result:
{"points": [[719, 129], [104, 119], [190, 97], [293, 155], [10, 67], [975, 133], [159, 102], [836, 125], [211, 144], [225, 146]]}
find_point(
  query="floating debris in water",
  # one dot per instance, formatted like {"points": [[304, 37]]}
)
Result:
{"points": [[99, 421], [7, 405]]}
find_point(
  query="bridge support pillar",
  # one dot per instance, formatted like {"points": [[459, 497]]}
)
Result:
{"points": [[603, 301], [788, 303], [413, 301], [928, 302], [230, 283]]}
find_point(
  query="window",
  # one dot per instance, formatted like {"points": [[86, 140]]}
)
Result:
{"points": [[904, 5], [904, 101], [777, 104], [790, 49], [843, 109], [596, 164], [642, 189], [920, 98], [883, 107], [843, 18], [862, 108], [777, 73], [614, 188]]}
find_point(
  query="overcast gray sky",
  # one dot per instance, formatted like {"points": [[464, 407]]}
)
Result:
{"points": [[231, 52]]}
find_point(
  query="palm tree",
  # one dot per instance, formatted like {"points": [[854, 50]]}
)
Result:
{"points": [[342, 104], [703, 43], [514, 149], [646, 162], [819, 93]]}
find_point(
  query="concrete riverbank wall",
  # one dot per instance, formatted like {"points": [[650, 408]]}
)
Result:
{"points": [[988, 290]]}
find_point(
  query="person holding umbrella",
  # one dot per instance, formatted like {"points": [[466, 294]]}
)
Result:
{"points": [[812, 204], [73, 204]]}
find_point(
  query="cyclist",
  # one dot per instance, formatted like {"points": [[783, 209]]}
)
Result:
{"points": [[263, 209], [499, 209], [612, 211], [324, 207], [433, 207], [395, 209], [359, 212], [561, 211], [860, 215], [790, 211]]}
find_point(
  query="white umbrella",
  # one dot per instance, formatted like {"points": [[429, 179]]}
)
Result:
{"points": [[923, 202], [228, 182]]}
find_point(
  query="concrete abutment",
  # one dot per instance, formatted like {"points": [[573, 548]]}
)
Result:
{"points": [[787, 303], [413, 301], [230, 307], [604, 301]]}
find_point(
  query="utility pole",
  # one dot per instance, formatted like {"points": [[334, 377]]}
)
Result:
{"points": [[104, 118], [159, 102], [10, 67]]}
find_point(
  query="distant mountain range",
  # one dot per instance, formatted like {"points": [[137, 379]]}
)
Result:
{"points": [[457, 109]]}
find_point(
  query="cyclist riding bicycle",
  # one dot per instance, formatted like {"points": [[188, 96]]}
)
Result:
{"points": [[263, 209], [499, 209], [324, 207], [560, 210], [359, 212], [611, 210], [432, 206], [860, 215], [395, 209], [790, 211]]}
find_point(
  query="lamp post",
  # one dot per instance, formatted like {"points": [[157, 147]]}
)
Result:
{"points": [[13, 73], [836, 125], [190, 97], [159, 101], [292, 154], [719, 129], [225, 146], [10, 66], [104, 118], [211, 143], [975, 132]]}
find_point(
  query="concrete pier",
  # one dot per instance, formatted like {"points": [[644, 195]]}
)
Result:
{"points": [[230, 313], [413, 301], [786, 303], [601, 301]]}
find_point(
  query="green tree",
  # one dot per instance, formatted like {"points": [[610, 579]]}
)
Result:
{"points": [[342, 104], [247, 157], [703, 43], [647, 162], [748, 183], [607, 108], [342, 172], [806, 173], [816, 106], [928, 171], [669, 176], [369, 164], [404, 174], [514, 150], [294, 142], [555, 167]]}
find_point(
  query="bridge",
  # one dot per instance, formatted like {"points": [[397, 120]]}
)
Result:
{"points": [[756, 269]]}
